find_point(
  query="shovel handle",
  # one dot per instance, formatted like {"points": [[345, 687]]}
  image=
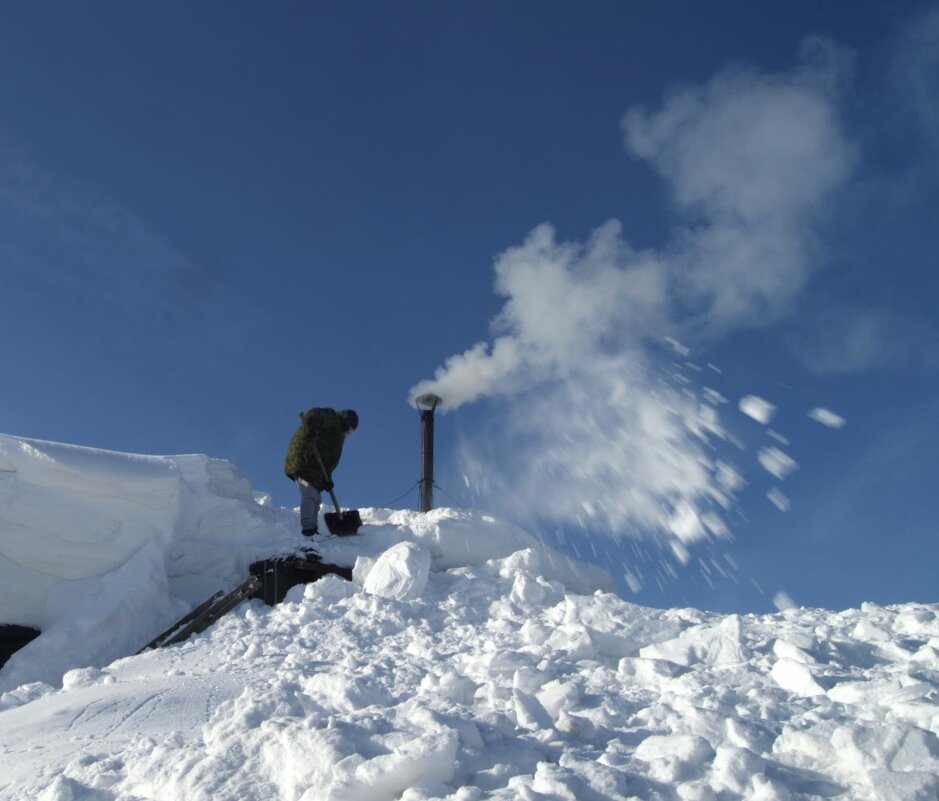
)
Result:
{"points": [[319, 459]]}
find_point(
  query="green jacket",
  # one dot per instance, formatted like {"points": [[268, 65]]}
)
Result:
{"points": [[324, 427]]}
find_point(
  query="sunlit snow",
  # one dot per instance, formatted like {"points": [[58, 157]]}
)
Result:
{"points": [[465, 661], [758, 408], [776, 462], [827, 417]]}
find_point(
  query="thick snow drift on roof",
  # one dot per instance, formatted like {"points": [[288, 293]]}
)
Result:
{"points": [[69, 514], [491, 682], [101, 550], [464, 662]]}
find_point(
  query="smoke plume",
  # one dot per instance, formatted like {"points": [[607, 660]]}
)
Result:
{"points": [[594, 427]]}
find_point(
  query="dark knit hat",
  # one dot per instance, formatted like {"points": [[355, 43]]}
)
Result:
{"points": [[351, 419]]}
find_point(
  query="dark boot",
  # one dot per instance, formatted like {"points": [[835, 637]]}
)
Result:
{"points": [[310, 532]]}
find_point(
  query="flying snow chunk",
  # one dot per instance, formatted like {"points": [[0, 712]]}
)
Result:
{"points": [[827, 417], [681, 552], [756, 407], [632, 582], [683, 350], [783, 601], [779, 499], [685, 523], [776, 462], [727, 477], [713, 397]]}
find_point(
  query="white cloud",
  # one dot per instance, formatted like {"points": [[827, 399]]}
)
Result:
{"points": [[892, 204], [853, 339], [914, 75]]}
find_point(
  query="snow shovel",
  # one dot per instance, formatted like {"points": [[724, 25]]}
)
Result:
{"points": [[342, 524]]}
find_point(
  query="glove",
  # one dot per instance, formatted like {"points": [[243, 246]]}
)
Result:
{"points": [[328, 486]]}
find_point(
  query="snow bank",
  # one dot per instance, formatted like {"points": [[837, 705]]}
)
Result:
{"points": [[493, 682], [459, 664], [458, 538], [101, 550], [401, 572], [69, 514]]}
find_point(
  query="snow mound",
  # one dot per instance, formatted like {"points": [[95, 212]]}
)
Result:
{"points": [[460, 664], [68, 514], [493, 682], [102, 551], [401, 572]]}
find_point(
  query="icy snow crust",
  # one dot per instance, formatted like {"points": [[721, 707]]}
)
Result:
{"points": [[468, 662]]}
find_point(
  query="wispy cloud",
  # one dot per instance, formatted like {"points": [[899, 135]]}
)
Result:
{"points": [[854, 339], [66, 245], [914, 76], [591, 431], [887, 226]]}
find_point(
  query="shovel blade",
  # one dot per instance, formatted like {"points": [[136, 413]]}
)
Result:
{"points": [[343, 524]]}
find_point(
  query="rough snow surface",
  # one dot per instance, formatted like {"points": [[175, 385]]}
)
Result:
{"points": [[400, 573], [493, 683], [102, 551], [466, 662]]}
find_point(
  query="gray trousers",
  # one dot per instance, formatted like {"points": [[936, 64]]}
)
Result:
{"points": [[309, 505]]}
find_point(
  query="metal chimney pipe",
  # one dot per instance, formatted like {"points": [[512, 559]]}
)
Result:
{"points": [[427, 404]]}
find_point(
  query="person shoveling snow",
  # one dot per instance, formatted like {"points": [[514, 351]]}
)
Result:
{"points": [[312, 456]]}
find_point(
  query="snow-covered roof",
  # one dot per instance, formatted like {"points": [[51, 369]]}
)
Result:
{"points": [[464, 661]]}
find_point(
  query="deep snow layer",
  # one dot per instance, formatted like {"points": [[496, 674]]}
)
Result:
{"points": [[103, 550], [492, 682], [100, 549], [465, 661]]}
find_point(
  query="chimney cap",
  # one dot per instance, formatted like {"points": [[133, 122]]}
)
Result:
{"points": [[428, 401]]}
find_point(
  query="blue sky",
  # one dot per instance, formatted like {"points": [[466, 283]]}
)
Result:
{"points": [[215, 215]]}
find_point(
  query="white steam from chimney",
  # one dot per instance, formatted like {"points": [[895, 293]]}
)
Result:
{"points": [[590, 431]]}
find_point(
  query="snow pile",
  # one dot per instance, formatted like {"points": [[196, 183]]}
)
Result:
{"points": [[493, 682], [464, 662], [102, 551]]}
